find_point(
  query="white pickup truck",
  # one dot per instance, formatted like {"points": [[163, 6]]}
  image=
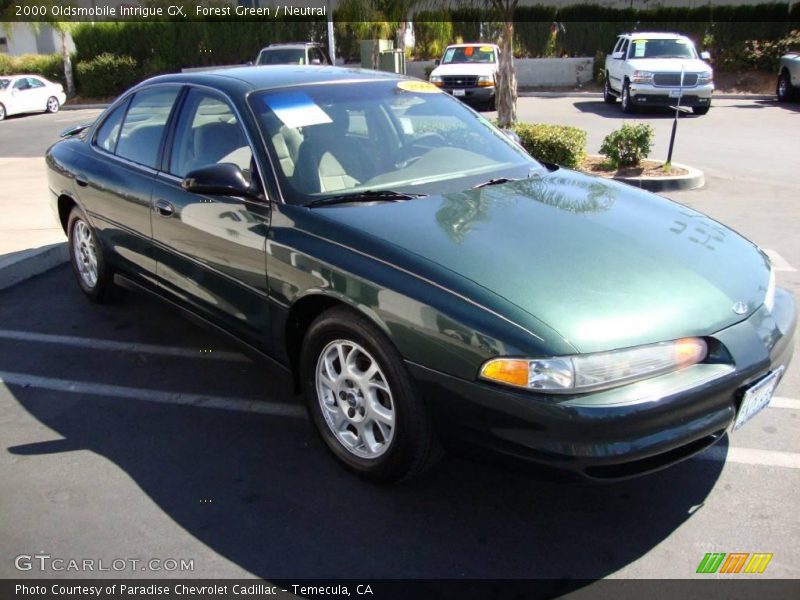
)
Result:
{"points": [[645, 69]]}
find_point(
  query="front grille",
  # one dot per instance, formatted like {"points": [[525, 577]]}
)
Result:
{"points": [[674, 79], [459, 81]]}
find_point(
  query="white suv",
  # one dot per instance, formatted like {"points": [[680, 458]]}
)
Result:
{"points": [[645, 70]]}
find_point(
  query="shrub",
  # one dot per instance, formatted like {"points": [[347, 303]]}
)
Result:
{"points": [[628, 145], [106, 75], [50, 66], [557, 144]]}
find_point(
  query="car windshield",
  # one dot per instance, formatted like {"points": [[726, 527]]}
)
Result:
{"points": [[674, 48], [327, 140], [469, 54], [282, 56]]}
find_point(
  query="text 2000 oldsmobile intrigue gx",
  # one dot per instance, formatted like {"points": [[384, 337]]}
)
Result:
{"points": [[422, 277]]}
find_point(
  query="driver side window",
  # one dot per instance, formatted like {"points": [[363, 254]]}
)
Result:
{"points": [[208, 133]]}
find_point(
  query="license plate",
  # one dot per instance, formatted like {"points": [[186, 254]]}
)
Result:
{"points": [[459, 92], [674, 93], [757, 398]]}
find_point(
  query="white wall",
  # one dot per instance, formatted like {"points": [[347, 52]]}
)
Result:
{"points": [[24, 39], [533, 72]]}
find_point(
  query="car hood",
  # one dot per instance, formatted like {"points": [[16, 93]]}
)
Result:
{"points": [[670, 65], [603, 264], [465, 69]]}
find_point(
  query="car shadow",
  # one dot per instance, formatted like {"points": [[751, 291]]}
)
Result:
{"points": [[263, 492], [613, 111]]}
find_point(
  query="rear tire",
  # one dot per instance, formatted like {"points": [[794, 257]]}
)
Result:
{"points": [[608, 96], [2, 112], [625, 99], [89, 265], [784, 89], [365, 406], [53, 105]]}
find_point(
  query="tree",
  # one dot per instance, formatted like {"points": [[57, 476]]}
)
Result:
{"points": [[506, 94]]}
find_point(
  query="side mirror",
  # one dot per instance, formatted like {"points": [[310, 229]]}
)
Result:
{"points": [[705, 55], [617, 55], [223, 179], [437, 62]]}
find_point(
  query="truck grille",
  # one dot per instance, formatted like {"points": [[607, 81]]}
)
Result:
{"points": [[674, 79], [458, 81]]}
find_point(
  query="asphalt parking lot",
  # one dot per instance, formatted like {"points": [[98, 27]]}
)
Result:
{"points": [[130, 433]]}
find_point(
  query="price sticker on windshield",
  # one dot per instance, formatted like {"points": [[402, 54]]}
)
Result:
{"points": [[423, 87]]}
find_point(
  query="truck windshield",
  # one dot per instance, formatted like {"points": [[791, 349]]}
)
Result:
{"points": [[284, 56], [674, 48], [469, 54]]}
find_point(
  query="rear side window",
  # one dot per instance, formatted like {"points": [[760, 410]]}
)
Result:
{"points": [[108, 133], [144, 125]]}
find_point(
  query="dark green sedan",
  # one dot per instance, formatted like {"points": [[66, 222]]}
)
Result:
{"points": [[424, 280]]}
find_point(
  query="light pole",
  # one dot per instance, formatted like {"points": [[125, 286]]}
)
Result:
{"points": [[331, 41], [678, 110]]}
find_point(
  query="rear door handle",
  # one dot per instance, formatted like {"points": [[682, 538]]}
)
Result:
{"points": [[164, 208], [81, 180]]}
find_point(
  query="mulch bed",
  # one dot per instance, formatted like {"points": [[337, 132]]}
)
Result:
{"points": [[597, 165]]}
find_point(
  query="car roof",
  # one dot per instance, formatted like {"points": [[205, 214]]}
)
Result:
{"points": [[655, 35], [274, 76]]}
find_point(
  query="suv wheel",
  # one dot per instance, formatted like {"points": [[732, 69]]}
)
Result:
{"points": [[784, 88], [625, 99], [608, 97]]}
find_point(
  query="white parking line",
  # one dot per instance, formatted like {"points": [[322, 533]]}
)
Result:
{"points": [[114, 346], [752, 456], [147, 395], [778, 262], [779, 402]]}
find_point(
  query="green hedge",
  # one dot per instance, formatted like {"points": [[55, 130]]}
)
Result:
{"points": [[557, 144], [50, 66], [106, 75]]}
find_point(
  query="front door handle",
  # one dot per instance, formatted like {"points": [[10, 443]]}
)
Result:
{"points": [[81, 180], [164, 208]]}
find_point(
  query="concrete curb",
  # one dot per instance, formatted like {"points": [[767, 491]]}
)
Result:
{"points": [[83, 106], [19, 266], [533, 94], [692, 180]]}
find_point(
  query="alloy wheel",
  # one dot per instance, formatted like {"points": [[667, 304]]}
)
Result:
{"points": [[85, 253], [355, 399], [53, 105]]}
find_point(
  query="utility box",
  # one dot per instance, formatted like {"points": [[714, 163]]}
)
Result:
{"points": [[371, 49], [393, 61]]}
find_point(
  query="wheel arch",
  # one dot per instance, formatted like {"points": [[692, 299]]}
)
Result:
{"points": [[65, 204]]}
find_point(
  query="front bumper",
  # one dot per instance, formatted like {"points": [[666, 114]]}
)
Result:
{"points": [[649, 95], [626, 431], [476, 95]]}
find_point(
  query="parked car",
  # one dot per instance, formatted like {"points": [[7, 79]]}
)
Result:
{"points": [[468, 72], [644, 69], [29, 93], [419, 275], [295, 53], [788, 77]]}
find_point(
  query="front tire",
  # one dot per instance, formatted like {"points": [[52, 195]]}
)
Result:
{"points": [[89, 266], [362, 399], [625, 99], [608, 96], [53, 105], [784, 88], [701, 110]]}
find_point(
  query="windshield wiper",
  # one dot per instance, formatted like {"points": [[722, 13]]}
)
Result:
{"points": [[495, 181], [365, 196]]}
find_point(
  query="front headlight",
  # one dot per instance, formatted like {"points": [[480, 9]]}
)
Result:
{"points": [[642, 77], [590, 372], [485, 81], [769, 297], [436, 79], [705, 77]]}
